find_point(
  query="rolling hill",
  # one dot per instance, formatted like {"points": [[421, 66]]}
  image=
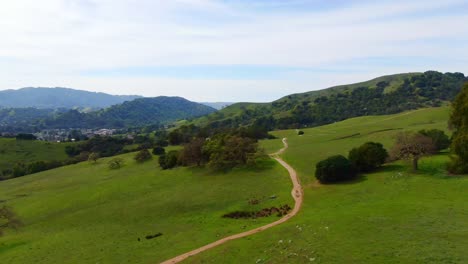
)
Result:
{"points": [[53, 98], [138, 112], [382, 217], [383, 95]]}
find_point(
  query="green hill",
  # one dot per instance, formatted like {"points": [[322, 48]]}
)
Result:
{"points": [[14, 151], [139, 112], [87, 213], [390, 216], [384, 95]]}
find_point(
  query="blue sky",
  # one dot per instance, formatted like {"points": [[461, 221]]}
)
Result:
{"points": [[225, 50]]}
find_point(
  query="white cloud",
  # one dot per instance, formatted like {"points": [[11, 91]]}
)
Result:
{"points": [[51, 42]]}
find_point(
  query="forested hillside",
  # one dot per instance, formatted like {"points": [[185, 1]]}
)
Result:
{"points": [[139, 112], [383, 95]]}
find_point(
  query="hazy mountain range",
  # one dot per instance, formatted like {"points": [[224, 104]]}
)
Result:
{"points": [[42, 97]]}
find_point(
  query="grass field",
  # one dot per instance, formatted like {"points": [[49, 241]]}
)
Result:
{"points": [[88, 213], [391, 216], [13, 151]]}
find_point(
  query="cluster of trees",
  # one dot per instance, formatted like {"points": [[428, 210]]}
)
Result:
{"points": [[186, 133], [221, 152], [371, 155], [25, 136], [366, 158], [459, 124], [22, 169], [104, 146]]}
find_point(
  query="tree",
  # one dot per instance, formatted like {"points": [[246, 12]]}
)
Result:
{"points": [[368, 156], [115, 163], [412, 146], [227, 151], [8, 219], [439, 138], [158, 150], [142, 156], [25, 137], [169, 160], [459, 124], [193, 152], [334, 169], [93, 157]]}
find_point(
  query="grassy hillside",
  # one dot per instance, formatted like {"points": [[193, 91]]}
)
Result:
{"points": [[391, 216], [87, 213], [13, 151], [384, 95]]}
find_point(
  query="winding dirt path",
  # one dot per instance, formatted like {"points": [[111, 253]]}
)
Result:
{"points": [[296, 193]]}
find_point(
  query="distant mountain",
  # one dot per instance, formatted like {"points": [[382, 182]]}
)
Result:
{"points": [[53, 98], [217, 105], [139, 112], [383, 95]]}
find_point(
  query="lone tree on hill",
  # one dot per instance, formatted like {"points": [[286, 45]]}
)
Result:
{"points": [[142, 156], [368, 156], [115, 163], [158, 150], [459, 124], [193, 152], [93, 157], [334, 169], [8, 219], [412, 146]]}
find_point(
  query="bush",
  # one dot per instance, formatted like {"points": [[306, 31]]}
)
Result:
{"points": [[142, 156], [334, 169], [439, 138], [93, 157], [169, 160], [368, 157], [158, 151], [300, 132], [115, 163]]}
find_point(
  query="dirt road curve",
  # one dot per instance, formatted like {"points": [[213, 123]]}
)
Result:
{"points": [[296, 194]]}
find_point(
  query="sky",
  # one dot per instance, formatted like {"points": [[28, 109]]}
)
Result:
{"points": [[225, 50]]}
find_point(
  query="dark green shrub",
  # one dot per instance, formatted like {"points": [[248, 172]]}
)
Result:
{"points": [[169, 160], [142, 156], [368, 157], [115, 163], [158, 151], [439, 138], [334, 169], [300, 132]]}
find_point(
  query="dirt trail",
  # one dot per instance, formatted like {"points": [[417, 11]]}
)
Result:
{"points": [[296, 194]]}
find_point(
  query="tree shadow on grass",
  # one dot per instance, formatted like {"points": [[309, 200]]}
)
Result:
{"points": [[391, 168], [358, 179]]}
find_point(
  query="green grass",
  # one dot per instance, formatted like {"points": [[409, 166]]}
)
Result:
{"points": [[87, 213], [391, 216], [13, 151]]}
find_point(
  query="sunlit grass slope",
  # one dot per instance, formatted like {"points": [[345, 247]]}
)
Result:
{"points": [[390, 216], [13, 151], [87, 213]]}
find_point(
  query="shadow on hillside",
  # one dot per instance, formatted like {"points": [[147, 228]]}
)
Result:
{"points": [[360, 178], [391, 168]]}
